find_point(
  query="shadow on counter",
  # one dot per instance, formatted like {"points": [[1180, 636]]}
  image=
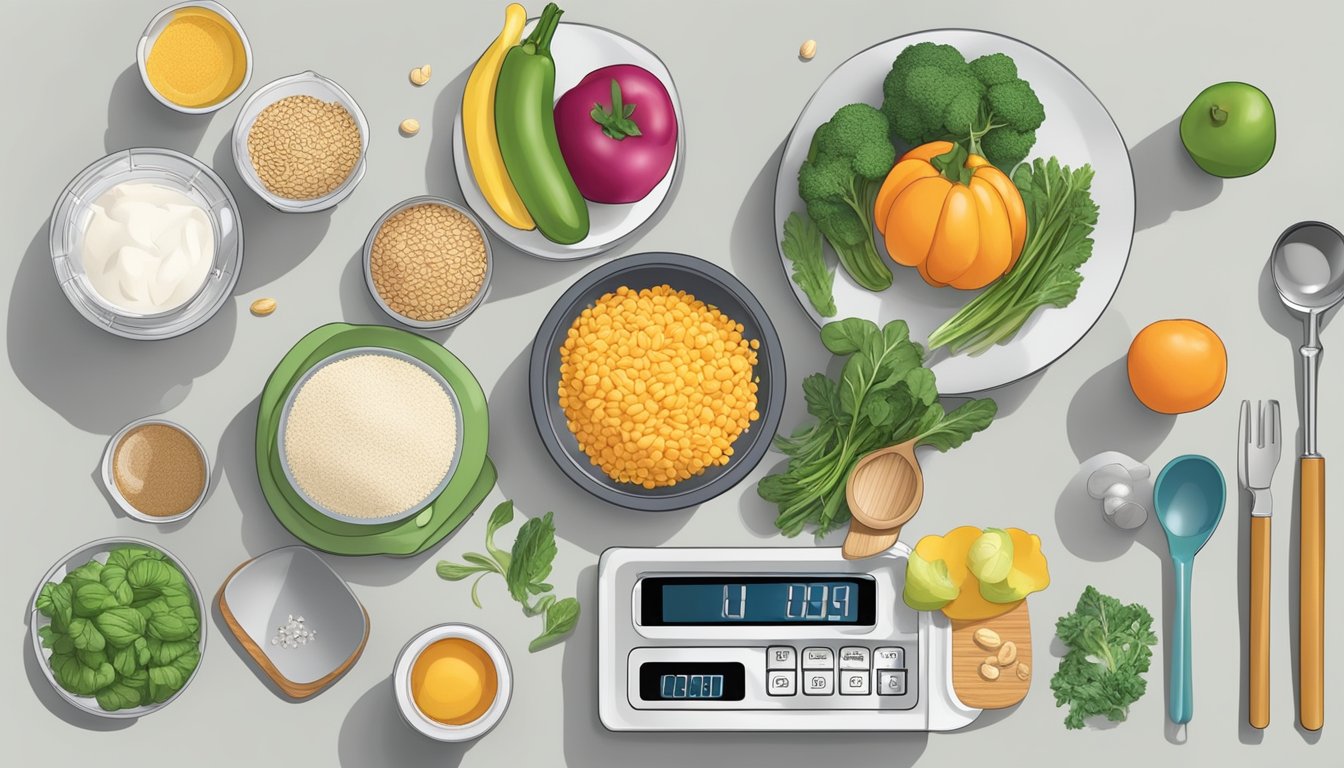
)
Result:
{"points": [[95, 380], [136, 119], [1166, 180], [373, 734], [588, 743]]}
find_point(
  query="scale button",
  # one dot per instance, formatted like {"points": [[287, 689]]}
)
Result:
{"points": [[854, 658], [891, 682], [780, 684], [889, 658], [780, 657], [818, 658], [853, 682], [819, 683]]}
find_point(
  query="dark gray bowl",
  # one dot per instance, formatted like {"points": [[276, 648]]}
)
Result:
{"points": [[708, 283]]}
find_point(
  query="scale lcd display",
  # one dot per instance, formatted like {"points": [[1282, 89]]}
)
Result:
{"points": [[692, 681], [758, 600]]}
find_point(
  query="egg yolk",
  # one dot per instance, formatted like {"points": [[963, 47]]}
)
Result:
{"points": [[453, 681]]}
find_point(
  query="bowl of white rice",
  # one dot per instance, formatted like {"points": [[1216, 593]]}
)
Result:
{"points": [[370, 436]]}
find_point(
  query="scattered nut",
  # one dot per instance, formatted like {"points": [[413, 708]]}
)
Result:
{"points": [[987, 638], [993, 661], [1007, 653], [989, 671], [420, 75], [263, 307], [1023, 671], [410, 126], [807, 50]]}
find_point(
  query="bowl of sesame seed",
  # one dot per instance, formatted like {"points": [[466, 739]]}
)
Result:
{"points": [[427, 262], [300, 143]]}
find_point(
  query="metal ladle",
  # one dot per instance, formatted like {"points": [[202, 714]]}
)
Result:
{"points": [[1308, 269]]}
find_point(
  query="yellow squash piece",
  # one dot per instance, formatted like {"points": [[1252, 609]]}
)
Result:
{"points": [[1028, 574], [478, 124]]}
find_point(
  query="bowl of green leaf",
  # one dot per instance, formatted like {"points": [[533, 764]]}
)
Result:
{"points": [[117, 625]]}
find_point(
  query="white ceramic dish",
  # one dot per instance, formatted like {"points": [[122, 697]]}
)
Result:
{"points": [[401, 683], [99, 550], [110, 483], [579, 49], [456, 317], [151, 36], [1077, 129], [293, 581], [356, 352], [303, 84], [72, 214]]}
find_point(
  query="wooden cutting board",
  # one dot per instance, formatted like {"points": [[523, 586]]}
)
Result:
{"points": [[967, 655]]}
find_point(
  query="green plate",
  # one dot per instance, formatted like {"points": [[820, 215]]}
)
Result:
{"points": [[470, 484]]}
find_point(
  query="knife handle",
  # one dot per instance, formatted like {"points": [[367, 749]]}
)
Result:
{"points": [[1258, 676], [1311, 595]]}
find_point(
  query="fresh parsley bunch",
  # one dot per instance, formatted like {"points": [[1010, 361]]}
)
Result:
{"points": [[884, 396], [1109, 651], [524, 569]]}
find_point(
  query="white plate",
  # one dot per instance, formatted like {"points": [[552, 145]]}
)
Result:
{"points": [[579, 49], [1077, 130]]}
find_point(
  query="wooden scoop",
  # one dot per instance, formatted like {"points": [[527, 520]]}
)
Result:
{"points": [[884, 491]]}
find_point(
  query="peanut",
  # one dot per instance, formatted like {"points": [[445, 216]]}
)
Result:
{"points": [[420, 75], [989, 671], [1007, 653], [993, 661], [987, 638], [410, 126], [1023, 671], [807, 50], [263, 307]]}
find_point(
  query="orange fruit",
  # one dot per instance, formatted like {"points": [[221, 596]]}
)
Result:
{"points": [[1177, 366]]}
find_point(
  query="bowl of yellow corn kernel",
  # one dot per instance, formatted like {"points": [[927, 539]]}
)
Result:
{"points": [[657, 381]]}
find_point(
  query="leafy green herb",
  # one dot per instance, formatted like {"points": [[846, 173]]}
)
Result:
{"points": [[1109, 651], [1060, 219], [802, 247], [884, 396], [112, 626], [524, 568]]}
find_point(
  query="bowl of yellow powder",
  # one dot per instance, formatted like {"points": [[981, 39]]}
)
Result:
{"points": [[427, 262], [657, 381], [300, 143], [370, 436], [194, 57]]}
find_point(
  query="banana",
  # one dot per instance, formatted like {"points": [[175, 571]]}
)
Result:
{"points": [[478, 124]]}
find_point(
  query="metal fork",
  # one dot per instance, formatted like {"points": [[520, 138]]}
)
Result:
{"points": [[1259, 445]]}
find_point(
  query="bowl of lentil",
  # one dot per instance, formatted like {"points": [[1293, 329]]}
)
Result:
{"points": [[194, 57], [657, 381], [156, 471], [301, 143], [427, 262]]}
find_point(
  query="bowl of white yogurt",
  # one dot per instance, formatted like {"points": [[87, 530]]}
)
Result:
{"points": [[146, 243]]}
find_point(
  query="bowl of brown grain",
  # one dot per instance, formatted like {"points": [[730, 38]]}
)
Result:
{"points": [[427, 262]]}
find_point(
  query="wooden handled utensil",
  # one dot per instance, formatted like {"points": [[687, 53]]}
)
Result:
{"points": [[884, 491], [1259, 444]]}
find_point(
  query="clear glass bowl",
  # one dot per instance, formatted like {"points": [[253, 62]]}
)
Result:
{"points": [[73, 212], [151, 36], [303, 84], [457, 316]]}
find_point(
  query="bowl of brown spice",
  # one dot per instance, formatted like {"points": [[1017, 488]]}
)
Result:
{"points": [[156, 471], [300, 143], [427, 262]]}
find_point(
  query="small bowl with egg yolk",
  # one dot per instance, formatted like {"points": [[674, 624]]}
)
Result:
{"points": [[453, 682]]}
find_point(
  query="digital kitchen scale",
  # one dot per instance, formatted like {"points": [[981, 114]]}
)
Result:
{"points": [[797, 639]]}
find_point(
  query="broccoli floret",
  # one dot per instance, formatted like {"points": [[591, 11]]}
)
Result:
{"points": [[994, 68], [849, 157], [932, 93]]}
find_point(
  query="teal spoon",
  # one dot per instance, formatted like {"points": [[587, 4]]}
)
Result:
{"points": [[1188, 496]]}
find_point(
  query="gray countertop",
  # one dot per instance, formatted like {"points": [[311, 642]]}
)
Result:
{"points": [[73, 94]]}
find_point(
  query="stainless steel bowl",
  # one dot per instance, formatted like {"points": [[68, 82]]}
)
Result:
{"points": [[70, 218], [110, 483], [99, 550], [456, 317]]}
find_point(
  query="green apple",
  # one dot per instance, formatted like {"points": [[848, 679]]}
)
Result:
{"points": [[928, 586], [1229, 129]]}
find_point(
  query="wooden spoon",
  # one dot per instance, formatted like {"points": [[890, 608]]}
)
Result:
{"points": [[884, 491]]}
